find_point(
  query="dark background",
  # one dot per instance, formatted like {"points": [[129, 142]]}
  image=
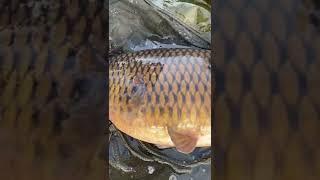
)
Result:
{"points": [[52, 90], [266, 109]]}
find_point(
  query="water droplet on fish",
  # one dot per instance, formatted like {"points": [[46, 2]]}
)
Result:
{"points": [[172, 177], [150, 169]]}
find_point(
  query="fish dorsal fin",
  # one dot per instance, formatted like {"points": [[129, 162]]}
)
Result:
{"points": [[185, 141]]}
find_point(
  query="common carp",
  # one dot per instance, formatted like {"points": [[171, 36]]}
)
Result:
{"points": [[163, 97]]}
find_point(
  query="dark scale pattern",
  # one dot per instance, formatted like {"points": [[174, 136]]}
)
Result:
{"points": [[52, 94], [266, 116], [164, 86]]}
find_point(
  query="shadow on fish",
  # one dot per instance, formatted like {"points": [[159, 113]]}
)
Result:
{"points": [[163, 97]]}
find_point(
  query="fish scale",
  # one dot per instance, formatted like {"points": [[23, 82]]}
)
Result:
{"points": [[161, 89], [267, 95], [270, 103], [49, 83]]}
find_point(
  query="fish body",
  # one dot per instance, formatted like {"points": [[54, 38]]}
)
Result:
{"points": [[162, 97]]}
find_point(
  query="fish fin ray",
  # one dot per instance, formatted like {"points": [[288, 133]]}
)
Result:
{"points": [[185, 141]]}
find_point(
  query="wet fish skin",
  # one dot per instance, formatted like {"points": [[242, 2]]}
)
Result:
{"points": [[152, 91]]}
